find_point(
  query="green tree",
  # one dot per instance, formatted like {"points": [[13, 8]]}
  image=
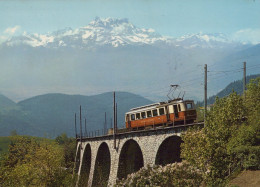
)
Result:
{"points": [[244, 145], [69, 147], [34, 162], [230, 138], [13, 133]]}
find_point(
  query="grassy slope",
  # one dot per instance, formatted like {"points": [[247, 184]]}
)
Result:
{"points": [[246, 179]]}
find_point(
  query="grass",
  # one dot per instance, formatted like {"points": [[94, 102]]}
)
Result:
{"points": [[246, 179]]}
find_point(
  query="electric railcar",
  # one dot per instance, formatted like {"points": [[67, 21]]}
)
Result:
{"points": [[173, 112]]}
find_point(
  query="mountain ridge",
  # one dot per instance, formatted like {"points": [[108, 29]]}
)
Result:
{"points": [[236, 86], [53, 114], [116, 32], [145, 68]]}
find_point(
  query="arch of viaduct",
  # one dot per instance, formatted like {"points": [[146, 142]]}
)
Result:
{"points": [[98, 163]]}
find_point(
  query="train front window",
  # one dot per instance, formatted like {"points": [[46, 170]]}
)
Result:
{"points": [[132, 117], [149, 114], [189, 106], [143, 115], [138, 116], [155, 113], [127, 117], [161, 111]]}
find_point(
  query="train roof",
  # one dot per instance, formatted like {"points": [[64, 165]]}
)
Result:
{"points": [[147, 106], [155, 105]]}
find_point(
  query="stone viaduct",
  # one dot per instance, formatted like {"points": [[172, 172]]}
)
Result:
{"points": [[99, 162]]}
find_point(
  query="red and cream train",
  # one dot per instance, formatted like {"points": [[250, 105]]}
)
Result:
{"points": [[174, 112]]}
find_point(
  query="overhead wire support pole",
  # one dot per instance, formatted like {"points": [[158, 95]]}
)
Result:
{"points": [[75, 122], [114, 129], [116, 117], [85, 127], [205, 92], [105, 124], [244, 80], [80, 122]]}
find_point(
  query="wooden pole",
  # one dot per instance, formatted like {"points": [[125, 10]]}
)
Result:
{"points": [[105, 124], [80, 122], [114, 129], [85, 127], [205, 92], [244, 79], [116, 118], [75, 122]]}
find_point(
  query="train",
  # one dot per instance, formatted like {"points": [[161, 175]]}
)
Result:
{"points": [[171, 113]]}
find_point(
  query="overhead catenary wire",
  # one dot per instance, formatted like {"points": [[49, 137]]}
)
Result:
{"points": [[213, 75]]}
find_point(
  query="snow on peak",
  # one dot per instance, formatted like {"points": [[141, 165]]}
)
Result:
{"points": [[203, 40], [115, 32], [108, 31]]}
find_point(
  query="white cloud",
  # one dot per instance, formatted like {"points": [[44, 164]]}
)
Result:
{"points": [[247, 36]]}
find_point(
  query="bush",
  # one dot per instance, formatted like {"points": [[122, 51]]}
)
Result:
{"points": [[176, 174]]}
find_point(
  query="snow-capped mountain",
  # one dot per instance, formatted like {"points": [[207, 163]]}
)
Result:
{"points": [[110, 31], [205, 40], [116, 32], [113, 54]]}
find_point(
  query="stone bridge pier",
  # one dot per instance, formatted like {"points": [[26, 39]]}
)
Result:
{"points": [[98, 163]]}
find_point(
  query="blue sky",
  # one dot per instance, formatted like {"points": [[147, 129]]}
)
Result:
{"points": [[239, 19]]}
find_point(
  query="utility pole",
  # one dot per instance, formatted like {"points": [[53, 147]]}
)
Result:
{"points": [[116, 117], [86, 127], [75, 122], [205, 92], [80, 122], [114, 129], [244, 80], [105, 124]]}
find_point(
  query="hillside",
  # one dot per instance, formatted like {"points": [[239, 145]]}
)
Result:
{"points": [[52, 114], [5, 102], [236, 86]]}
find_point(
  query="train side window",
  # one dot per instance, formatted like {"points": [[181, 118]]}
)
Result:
{"points": [[149, 113], [179, 107], [161, 111], [189, 105], [137, 115], [155, 113], [143, 114], [132, 117]]}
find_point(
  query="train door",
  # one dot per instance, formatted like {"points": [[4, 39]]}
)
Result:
{"points": [[167, 113], [128, 121], [175, 109]]}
